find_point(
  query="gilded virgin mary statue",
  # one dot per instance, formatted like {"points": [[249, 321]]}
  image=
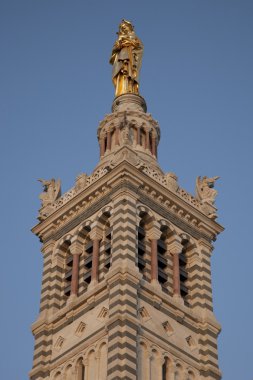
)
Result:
{"points": [[126, 60]]}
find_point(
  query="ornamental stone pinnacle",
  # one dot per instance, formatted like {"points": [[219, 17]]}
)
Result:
{"points": [[126, 285]]}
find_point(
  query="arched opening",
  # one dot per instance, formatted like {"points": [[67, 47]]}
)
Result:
{"points": [[68, 264], [190, 375], [87, 257], [184, 290], [167, 370], [80, 370], [143, 364], [102, 374], [91, 370], [141, 246], [155, 366], [178, 372], [69, 373], [105, 258], [144, 246], [162, 259]]}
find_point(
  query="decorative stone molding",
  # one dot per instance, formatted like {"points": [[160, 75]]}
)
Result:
{"points": [[144, 314], [168, 328], [82, 182], [150, 351], [59, 343], [103, 314], [80, 329]]}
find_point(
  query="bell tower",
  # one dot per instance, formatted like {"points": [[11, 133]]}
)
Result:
{"points": [[126, 286]]}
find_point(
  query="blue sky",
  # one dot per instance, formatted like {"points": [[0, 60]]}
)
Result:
{"points": [[55, 88]]}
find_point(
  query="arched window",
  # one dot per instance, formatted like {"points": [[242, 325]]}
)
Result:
{"points": [[178, 372], [155, 365], [57, 376], [190, 375], [141, 247], [105, 257], [91, 370], [143, 362], [162, 259], [102, 362], [80, 370], [68, 373], [107, 245], [184, 273], [144, 246], [167, 370], [67, 267], [87, 263]]}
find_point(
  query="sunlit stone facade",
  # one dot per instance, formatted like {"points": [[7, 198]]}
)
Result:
{"points": [[126, 287]]}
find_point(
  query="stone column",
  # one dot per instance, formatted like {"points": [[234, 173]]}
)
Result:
{"points": [[153, 234], [86, 367], [153, 145], [117, 136], [98, 374], [135, 135], [147, 144], [109, 140], [175, 247], [148, 365], [102, 146], [138, 136], [96, 236]]}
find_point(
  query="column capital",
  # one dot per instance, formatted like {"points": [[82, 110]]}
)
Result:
{"points": [[76, 248], [154, 232], [174, 245], [96, 233]]}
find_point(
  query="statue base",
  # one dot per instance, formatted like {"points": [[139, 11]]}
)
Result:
{"points": [[129, 102]]}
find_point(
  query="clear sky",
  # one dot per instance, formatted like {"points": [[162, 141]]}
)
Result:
{"points": [[56, 86]]}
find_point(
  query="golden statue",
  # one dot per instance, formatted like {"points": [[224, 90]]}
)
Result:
{"points": [[126, 60]]}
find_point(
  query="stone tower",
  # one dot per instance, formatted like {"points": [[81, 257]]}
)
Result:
{"points": [[126, 288]]}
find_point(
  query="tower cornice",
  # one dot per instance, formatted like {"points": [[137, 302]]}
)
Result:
{"points": [[149, 189]]}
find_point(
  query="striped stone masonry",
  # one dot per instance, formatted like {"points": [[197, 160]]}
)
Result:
{"points": [[123, 283], [126, 289]]}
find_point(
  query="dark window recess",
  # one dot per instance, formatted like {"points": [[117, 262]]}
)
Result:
{"points": [[108, 247], [162, 263], [165, 370], [141, 249], [88, 261], [183, 275], [89, 247], [68, 274]]}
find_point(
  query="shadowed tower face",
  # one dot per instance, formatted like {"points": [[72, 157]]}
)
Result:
{"points": [[126, 287]]}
